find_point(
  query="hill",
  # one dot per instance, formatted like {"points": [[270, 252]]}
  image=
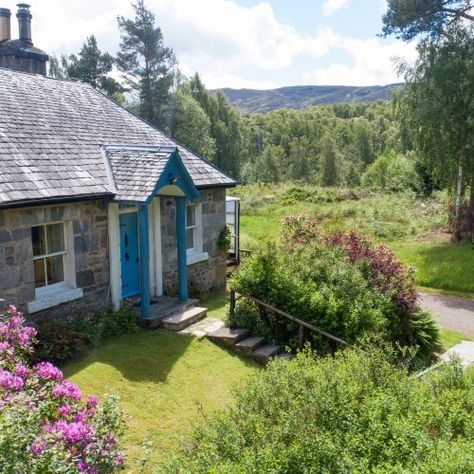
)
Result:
{"points": [[301, 97]]}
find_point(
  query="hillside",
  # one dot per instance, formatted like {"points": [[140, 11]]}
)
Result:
{"points": [[300, 97]]}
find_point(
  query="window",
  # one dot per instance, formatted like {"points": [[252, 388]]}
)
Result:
{"points": [[194, 245], [48, 254], [191, 228]]}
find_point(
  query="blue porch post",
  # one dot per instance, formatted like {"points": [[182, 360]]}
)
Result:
{"points": [[181, 244], [144, 261]]}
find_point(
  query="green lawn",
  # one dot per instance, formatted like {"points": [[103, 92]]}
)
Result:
{"points": [[450, 338], [441, 265], [167, 383]]}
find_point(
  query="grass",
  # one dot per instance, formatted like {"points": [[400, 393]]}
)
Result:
{"points": [[411, 226], [440, 264], [167, 383], [450, 338]]}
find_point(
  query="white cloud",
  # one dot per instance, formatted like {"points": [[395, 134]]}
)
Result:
{"points": [[228, 44], [332, 6], [372, 63]]}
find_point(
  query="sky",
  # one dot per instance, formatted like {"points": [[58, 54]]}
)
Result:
{"points": [[240, 43]]}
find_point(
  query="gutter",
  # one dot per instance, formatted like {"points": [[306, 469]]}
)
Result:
{"points": [[56, 200]]}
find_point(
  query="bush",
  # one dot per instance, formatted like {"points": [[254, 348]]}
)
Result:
{"points": [[341, 283], [59, 341], [393, 172], [44, 426], [224, 242], [354, 412]]}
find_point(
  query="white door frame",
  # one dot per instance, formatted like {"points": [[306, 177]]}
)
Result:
{"points": [[154, 233]]}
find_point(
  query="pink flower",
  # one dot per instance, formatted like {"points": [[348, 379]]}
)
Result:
{"points": [[21, 370], [10, 381], [119, 459], [67, 389], [91, 401], [64, 410], [37, 448], [46, 370], [74, 432]]}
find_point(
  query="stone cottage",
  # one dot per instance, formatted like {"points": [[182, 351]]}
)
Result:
{"points": [[96, 205]]}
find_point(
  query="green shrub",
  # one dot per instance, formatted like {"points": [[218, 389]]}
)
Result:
{"points": [[58, 341], [354, 412], [393, 172], [224, 242], [341, 283], [62, 340]]}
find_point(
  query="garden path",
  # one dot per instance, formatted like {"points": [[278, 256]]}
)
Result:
{"points": [[464, 350], [452, 312]]}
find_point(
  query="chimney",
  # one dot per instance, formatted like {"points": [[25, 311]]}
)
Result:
{"points": [[20, 54], [5, 32], [24, 23]]}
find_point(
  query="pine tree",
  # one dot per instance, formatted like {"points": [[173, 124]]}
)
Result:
{"points": [[148, 66], [93, 66]]}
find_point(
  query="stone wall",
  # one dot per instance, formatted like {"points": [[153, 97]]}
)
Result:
{"points": [[89, 224], [203, 277]]}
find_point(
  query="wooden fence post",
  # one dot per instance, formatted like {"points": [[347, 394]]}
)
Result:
{"points": [[232, 304], [301, 337]]}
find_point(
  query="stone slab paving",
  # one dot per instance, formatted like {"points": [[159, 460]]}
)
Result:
{"points": [[201, 328], [452, 312], [464, 350]]}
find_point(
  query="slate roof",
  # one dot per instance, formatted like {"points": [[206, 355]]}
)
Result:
{"points": [[135, 171], [51, 132]]}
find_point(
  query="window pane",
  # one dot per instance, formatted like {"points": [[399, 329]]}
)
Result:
{"points": [[37, 238], [39, 273], [189, 238], [55, 237], [190, 216], [55, 269]]}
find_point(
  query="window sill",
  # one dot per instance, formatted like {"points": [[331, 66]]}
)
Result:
{"points": [[196, 257], [54, 298]]}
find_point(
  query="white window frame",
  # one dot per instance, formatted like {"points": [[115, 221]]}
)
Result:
{"points": [[196, 254], [51, 295]]}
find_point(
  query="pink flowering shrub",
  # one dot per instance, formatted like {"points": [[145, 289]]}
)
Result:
{"points": [[44, 424]]}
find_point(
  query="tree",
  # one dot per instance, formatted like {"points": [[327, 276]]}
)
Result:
{"points": [[58, 67], [330, 175], [190, 125], [409, 18], [93, 66], [148, 66], [438, 109]]}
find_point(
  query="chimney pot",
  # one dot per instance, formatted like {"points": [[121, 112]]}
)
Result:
{"points": [[5, 31], [24, 23]]}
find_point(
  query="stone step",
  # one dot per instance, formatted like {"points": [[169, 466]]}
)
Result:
{"points": [[228, 336], [203, 327], [250, 344], [264, 353], [183, 319]]}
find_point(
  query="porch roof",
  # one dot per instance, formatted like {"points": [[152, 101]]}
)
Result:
{"points": [[139, 172]]}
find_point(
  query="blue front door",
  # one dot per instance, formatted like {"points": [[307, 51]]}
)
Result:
{"points": [[129, 255]]}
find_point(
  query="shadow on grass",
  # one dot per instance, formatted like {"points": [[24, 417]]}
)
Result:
{"points": [[146, 356], [444, 266]]}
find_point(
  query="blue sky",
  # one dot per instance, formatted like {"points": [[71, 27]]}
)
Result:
{"points": [[241, 43]]}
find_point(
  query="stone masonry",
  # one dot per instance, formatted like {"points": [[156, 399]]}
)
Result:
{"points": [[203, 277], [89, 223]]}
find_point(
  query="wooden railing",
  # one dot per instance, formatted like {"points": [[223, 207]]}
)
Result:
{"points": [[303, 325]]}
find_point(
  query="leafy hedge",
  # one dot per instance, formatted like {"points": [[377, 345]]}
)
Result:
{"points": [[58, 341], [354, 412], [341, 283]]}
